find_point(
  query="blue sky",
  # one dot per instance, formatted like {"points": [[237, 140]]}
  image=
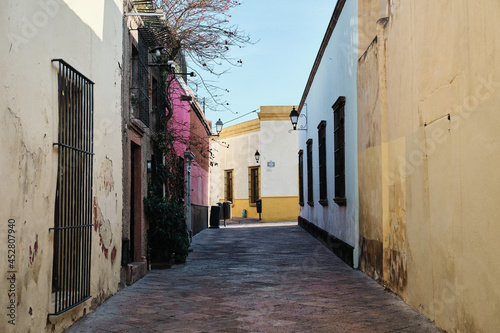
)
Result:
{"points": [[275, 70]]}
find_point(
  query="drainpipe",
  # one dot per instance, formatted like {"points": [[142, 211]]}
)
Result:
{"points": [[188, 159]]}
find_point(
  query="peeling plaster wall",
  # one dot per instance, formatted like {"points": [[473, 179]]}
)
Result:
{"points": [[428, 157], [34, 33]]}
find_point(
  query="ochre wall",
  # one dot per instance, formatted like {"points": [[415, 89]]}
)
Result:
{"points": [[428, 154], [273, 209]]}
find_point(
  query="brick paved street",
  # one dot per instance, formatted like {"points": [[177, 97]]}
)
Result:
{"points": [[255, 278]]}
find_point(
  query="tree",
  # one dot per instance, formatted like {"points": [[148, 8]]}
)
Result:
{"points": [[202, 30]]}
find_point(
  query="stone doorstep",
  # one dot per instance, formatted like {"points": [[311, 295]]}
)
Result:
{"points": [[135, 271]]}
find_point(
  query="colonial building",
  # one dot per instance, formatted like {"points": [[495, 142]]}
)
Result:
{"points": [[413, 107], [143, 98], [256, 160], [60, 161], [327, 127], [192, 148], [150, 96]]}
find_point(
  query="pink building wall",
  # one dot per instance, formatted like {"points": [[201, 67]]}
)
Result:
{"points": [[189, 122]]}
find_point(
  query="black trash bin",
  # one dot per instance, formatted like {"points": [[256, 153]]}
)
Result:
{"points": [[258, 204], [214, 216], [226, 210]]}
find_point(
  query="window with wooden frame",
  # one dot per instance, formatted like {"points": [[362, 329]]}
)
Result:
{"points": [[310, 197], [339, 150], [253, 184], [301, 177], [323, 195], [228, 185]]}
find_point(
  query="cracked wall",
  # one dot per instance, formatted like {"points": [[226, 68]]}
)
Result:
{"points": [[29, 160], [427, 153]]}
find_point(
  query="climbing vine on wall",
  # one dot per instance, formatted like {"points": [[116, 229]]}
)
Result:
{"points": [[164, 205]]}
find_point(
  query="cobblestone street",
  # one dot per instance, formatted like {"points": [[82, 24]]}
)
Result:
{"points": [[255, 278]]}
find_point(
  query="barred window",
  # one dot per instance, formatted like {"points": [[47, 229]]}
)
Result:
{"points": [[301, 177], [143, 77], [73, 202], [323, 196], [310, 197], [253, 184], [339, 138], [228, 186]]}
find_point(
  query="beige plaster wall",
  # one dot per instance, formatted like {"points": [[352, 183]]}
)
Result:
{"points": [[34, 32], [439, 87]]}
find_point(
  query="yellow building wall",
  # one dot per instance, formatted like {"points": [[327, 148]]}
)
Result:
{"points": [[274, 209], [429, 153]]}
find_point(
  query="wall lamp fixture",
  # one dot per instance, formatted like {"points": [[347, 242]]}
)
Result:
{"points": [[294, 118], [257, 156], [218, 127]]}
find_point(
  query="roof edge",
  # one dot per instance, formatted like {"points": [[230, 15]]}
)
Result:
{"points": [[321, 52]]}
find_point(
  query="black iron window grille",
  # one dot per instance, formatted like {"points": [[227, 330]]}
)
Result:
{"points": [[143, 77], [228, 185], [310, 196], [301, 177], [323, 195], [253, 184], [73, 204], [339, 138]]}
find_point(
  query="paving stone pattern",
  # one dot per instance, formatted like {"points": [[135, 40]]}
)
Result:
{"points": [[255, 278]]}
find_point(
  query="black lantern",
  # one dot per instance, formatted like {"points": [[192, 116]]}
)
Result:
{"points": [[257, 156], [218, 126], [294, 118]]}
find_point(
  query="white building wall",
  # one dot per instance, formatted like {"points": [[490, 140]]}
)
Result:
{"points": [[234, 153], [278, 184], [336, 76], [276, 145]]}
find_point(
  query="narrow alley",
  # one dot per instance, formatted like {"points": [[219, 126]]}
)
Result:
{"points": [[255, 278]]}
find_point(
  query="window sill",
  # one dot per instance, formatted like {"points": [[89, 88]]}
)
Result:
{"points": [[340, 201], [323, 202], [301, 203], [310, 203], [253, 204]]}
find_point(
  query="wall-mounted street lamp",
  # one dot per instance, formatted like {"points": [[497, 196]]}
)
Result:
{"points": [[294, 118], [257, 156], [218, 127]]}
